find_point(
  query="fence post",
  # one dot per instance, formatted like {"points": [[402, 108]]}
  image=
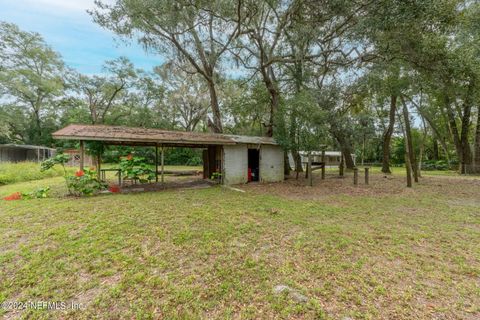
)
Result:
{"points": [[355, 176], [309, 169], [341, 165], [366, 175]]}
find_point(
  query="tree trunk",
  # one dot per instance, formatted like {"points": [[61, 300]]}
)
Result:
{"points": [[387, 137], [409, 142], [460, 140], [297, 159], [435, 154], [270, 84], [344, 143], [466, 122], [408, 168], [217, 118], [476, 164], [286, 167]]}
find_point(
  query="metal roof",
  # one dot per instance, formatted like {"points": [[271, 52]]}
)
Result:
{"points": [[319, 153], [149, 137], [24, 146]]}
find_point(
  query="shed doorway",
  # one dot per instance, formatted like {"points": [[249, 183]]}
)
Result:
{"points": [[253, 165]]}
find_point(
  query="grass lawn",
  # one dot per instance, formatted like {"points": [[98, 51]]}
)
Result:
{"points": [[367, 252]]}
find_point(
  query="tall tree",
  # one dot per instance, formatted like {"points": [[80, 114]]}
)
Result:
{"points": [[31, 79], [195, 32], [102, 93]]}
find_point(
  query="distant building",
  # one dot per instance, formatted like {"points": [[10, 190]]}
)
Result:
{"points": [[74, 160], [23, 152], [332, 158]]}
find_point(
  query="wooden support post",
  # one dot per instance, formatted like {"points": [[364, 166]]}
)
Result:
{"points": [[82, 155], [355, 176], [323, 165], [367, 179], [341, 165], [99, 166], [309, 169], [163, 162], [156, 163]]}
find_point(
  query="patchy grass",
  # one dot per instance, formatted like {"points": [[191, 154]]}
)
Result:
{"points": [[25, 171], [365, 252]]}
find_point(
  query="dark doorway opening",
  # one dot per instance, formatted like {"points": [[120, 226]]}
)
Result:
{"points": [[253, 165]]}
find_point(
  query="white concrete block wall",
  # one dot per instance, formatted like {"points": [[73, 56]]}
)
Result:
{"points": [[271, 163], [235, 164]]}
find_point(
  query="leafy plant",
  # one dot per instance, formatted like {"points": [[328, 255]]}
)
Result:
{"points": [[135, 168], [39, 193], [435, 165], [85, 183], [60, 159], [216, 176]]}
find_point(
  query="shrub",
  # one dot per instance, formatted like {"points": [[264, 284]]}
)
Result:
{"points": [[135, 168], [82, 183], [435, 165], [85, 183]]}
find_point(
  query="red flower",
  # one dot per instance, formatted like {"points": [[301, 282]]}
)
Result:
{"points": [[13, 196], [79, 173], [114, 188], [129, 157]]}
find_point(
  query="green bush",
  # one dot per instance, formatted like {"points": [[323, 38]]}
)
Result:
{"points": [[85, 183], [135, 168], [435, 165], [25, 171]]}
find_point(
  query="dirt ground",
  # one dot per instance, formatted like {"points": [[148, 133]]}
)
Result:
{"points": [[380, 185]]}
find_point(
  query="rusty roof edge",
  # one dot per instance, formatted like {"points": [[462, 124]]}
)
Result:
{"points": [[229, 139], [180, 141]]}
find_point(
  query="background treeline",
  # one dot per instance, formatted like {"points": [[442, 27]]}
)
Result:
{"points": [[393, 81]]}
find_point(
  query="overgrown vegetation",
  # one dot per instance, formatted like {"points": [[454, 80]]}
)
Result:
{"points": [[25, 171]]}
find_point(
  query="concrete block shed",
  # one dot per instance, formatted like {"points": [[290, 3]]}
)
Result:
{"points": [[238, 159]]}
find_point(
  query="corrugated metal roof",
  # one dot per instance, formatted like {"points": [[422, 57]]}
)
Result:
{"points": [[130, 135], [24, 146]]}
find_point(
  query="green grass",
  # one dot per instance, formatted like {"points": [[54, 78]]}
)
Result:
{"points": [[366, 252], [25, 171]]}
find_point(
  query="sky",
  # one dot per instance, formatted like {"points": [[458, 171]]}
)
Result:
{"points": [[68, 29]]}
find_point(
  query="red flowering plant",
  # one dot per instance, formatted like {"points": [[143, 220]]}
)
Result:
{"points": [[85, 183], [82, 183]]}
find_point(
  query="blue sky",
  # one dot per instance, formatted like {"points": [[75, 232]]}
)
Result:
{"points": [[68, 28]]}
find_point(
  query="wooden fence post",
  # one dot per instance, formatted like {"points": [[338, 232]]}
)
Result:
{"points": [[309, 168], [366, 176], [355, 176], [341, 164]]}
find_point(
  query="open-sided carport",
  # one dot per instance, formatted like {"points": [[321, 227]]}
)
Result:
{"points": [[226, 154]]}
